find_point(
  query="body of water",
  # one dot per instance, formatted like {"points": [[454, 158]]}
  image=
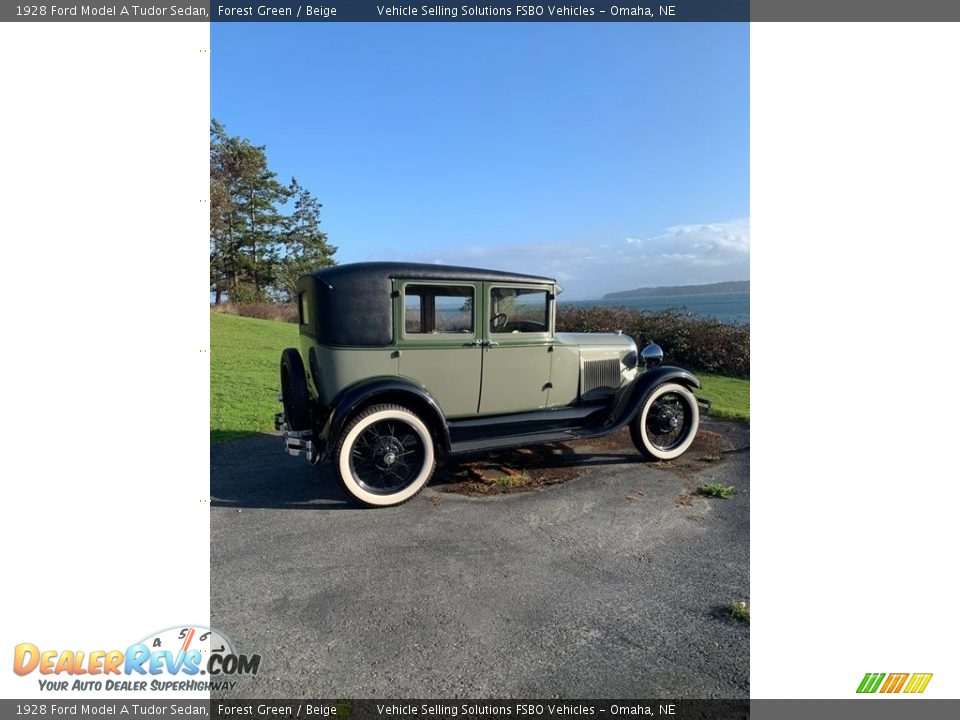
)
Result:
{"points": [[726, 307]]}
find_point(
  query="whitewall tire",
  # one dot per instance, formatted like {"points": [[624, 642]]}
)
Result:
{"points": [[385, 455], [667, 423]]}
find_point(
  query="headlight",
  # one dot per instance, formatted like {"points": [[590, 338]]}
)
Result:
{"points": [[652, 355]]}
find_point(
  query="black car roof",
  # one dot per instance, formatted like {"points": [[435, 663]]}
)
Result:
{"points": [[351, 305], [420, 271]]}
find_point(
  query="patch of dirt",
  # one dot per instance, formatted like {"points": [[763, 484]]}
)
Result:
{"points": [[708, 449], [509, 471], [635, 495], [531, 468]]}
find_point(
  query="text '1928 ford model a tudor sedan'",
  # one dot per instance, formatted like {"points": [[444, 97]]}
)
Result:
{"points": [[399, 362]]}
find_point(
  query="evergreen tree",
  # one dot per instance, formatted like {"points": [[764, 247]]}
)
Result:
{"points": [[223, 220], [305, 244], [254, 246]]}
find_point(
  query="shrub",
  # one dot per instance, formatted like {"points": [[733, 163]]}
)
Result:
{"points": [[697, 343], [262, 310]]}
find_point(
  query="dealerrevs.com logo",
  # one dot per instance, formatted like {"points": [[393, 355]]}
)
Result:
{"points": [[183, 658], [894, 683]]}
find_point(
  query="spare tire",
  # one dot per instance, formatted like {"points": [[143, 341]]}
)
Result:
{"points": [[293, 387]]}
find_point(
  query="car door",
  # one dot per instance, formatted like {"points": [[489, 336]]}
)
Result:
{"points": [[517, 340], [439, 341]]}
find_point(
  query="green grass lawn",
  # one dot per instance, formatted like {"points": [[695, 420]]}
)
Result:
{"points": [[245, 373], [245, 377], [730, 397]]}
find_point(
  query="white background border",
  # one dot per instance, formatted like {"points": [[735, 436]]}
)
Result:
{"points": [[855, 151], [105, 460]]}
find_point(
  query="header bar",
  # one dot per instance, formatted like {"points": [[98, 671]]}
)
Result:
{"points": [[488, 11]]}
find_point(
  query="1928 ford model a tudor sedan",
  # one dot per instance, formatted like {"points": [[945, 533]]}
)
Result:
{"points": [[399, 361]]}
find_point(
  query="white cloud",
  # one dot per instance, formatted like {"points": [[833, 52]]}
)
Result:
{"points": [[680, 255], [725, 242]]}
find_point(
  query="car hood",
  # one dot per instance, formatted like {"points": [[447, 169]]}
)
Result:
{"points": [[595, 339]]}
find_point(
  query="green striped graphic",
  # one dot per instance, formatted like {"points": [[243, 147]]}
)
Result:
{"points": [[916, 683], [870, 682]]}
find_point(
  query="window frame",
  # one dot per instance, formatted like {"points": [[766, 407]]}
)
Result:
{"points": [[437, 335], [303, 308], [489, 334]]}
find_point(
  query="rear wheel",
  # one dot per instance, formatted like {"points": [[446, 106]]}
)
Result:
{"points": [[385, 455], [293, 388], [667, 422]]}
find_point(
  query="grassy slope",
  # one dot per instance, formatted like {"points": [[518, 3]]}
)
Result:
{"points": [[244, 377], [245, 373]]}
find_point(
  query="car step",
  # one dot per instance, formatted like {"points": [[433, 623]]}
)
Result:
{"points": [[295, 442]]}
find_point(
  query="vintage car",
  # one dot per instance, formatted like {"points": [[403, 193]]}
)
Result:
{"points": [[399, 362]]}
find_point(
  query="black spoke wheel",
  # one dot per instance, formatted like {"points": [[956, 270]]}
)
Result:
{"points": [[667, 422], [385, 455]]}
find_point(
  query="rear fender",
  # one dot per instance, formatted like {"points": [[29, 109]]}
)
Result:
{"points": [[384, 390]]}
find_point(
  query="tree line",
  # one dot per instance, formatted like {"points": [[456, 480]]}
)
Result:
{"points": [[264, 234]]}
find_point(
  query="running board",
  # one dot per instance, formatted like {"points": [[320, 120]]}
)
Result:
{"points": [[561, 414], [490, 431], [512, 441]]}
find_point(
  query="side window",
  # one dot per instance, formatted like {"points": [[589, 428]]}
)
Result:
{"points": [[519, 310], [431, 309], [303, 307]]}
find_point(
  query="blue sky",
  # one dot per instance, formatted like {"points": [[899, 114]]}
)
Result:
{"points": [[607, 155]]}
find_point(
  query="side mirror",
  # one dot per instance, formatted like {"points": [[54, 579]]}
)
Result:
{"points": [[652, 355]]}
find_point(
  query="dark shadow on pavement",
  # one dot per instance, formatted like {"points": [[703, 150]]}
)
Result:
{"points": [[255, 472]]}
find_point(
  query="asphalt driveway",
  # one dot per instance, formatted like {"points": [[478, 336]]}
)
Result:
{"points": [[614, 584]]}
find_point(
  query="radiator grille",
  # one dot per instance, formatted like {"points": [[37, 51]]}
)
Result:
{"points": [[599, 374]]}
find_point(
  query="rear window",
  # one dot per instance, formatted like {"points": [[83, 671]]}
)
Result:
{"points": [[303, 308]]}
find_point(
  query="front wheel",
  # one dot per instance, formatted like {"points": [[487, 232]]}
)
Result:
{"points": [[667, 422], [385, 455]]}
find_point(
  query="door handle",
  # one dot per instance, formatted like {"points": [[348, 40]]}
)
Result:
{"points": [[482, 343]]}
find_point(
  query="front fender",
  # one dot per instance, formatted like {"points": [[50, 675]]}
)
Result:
{"points": [[649, 380], [388, 390]]}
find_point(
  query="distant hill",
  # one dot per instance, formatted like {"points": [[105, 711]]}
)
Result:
{"points": [[735, 286]]}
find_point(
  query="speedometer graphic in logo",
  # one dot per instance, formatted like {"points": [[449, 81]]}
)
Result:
{"points": [[183, 641]]}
